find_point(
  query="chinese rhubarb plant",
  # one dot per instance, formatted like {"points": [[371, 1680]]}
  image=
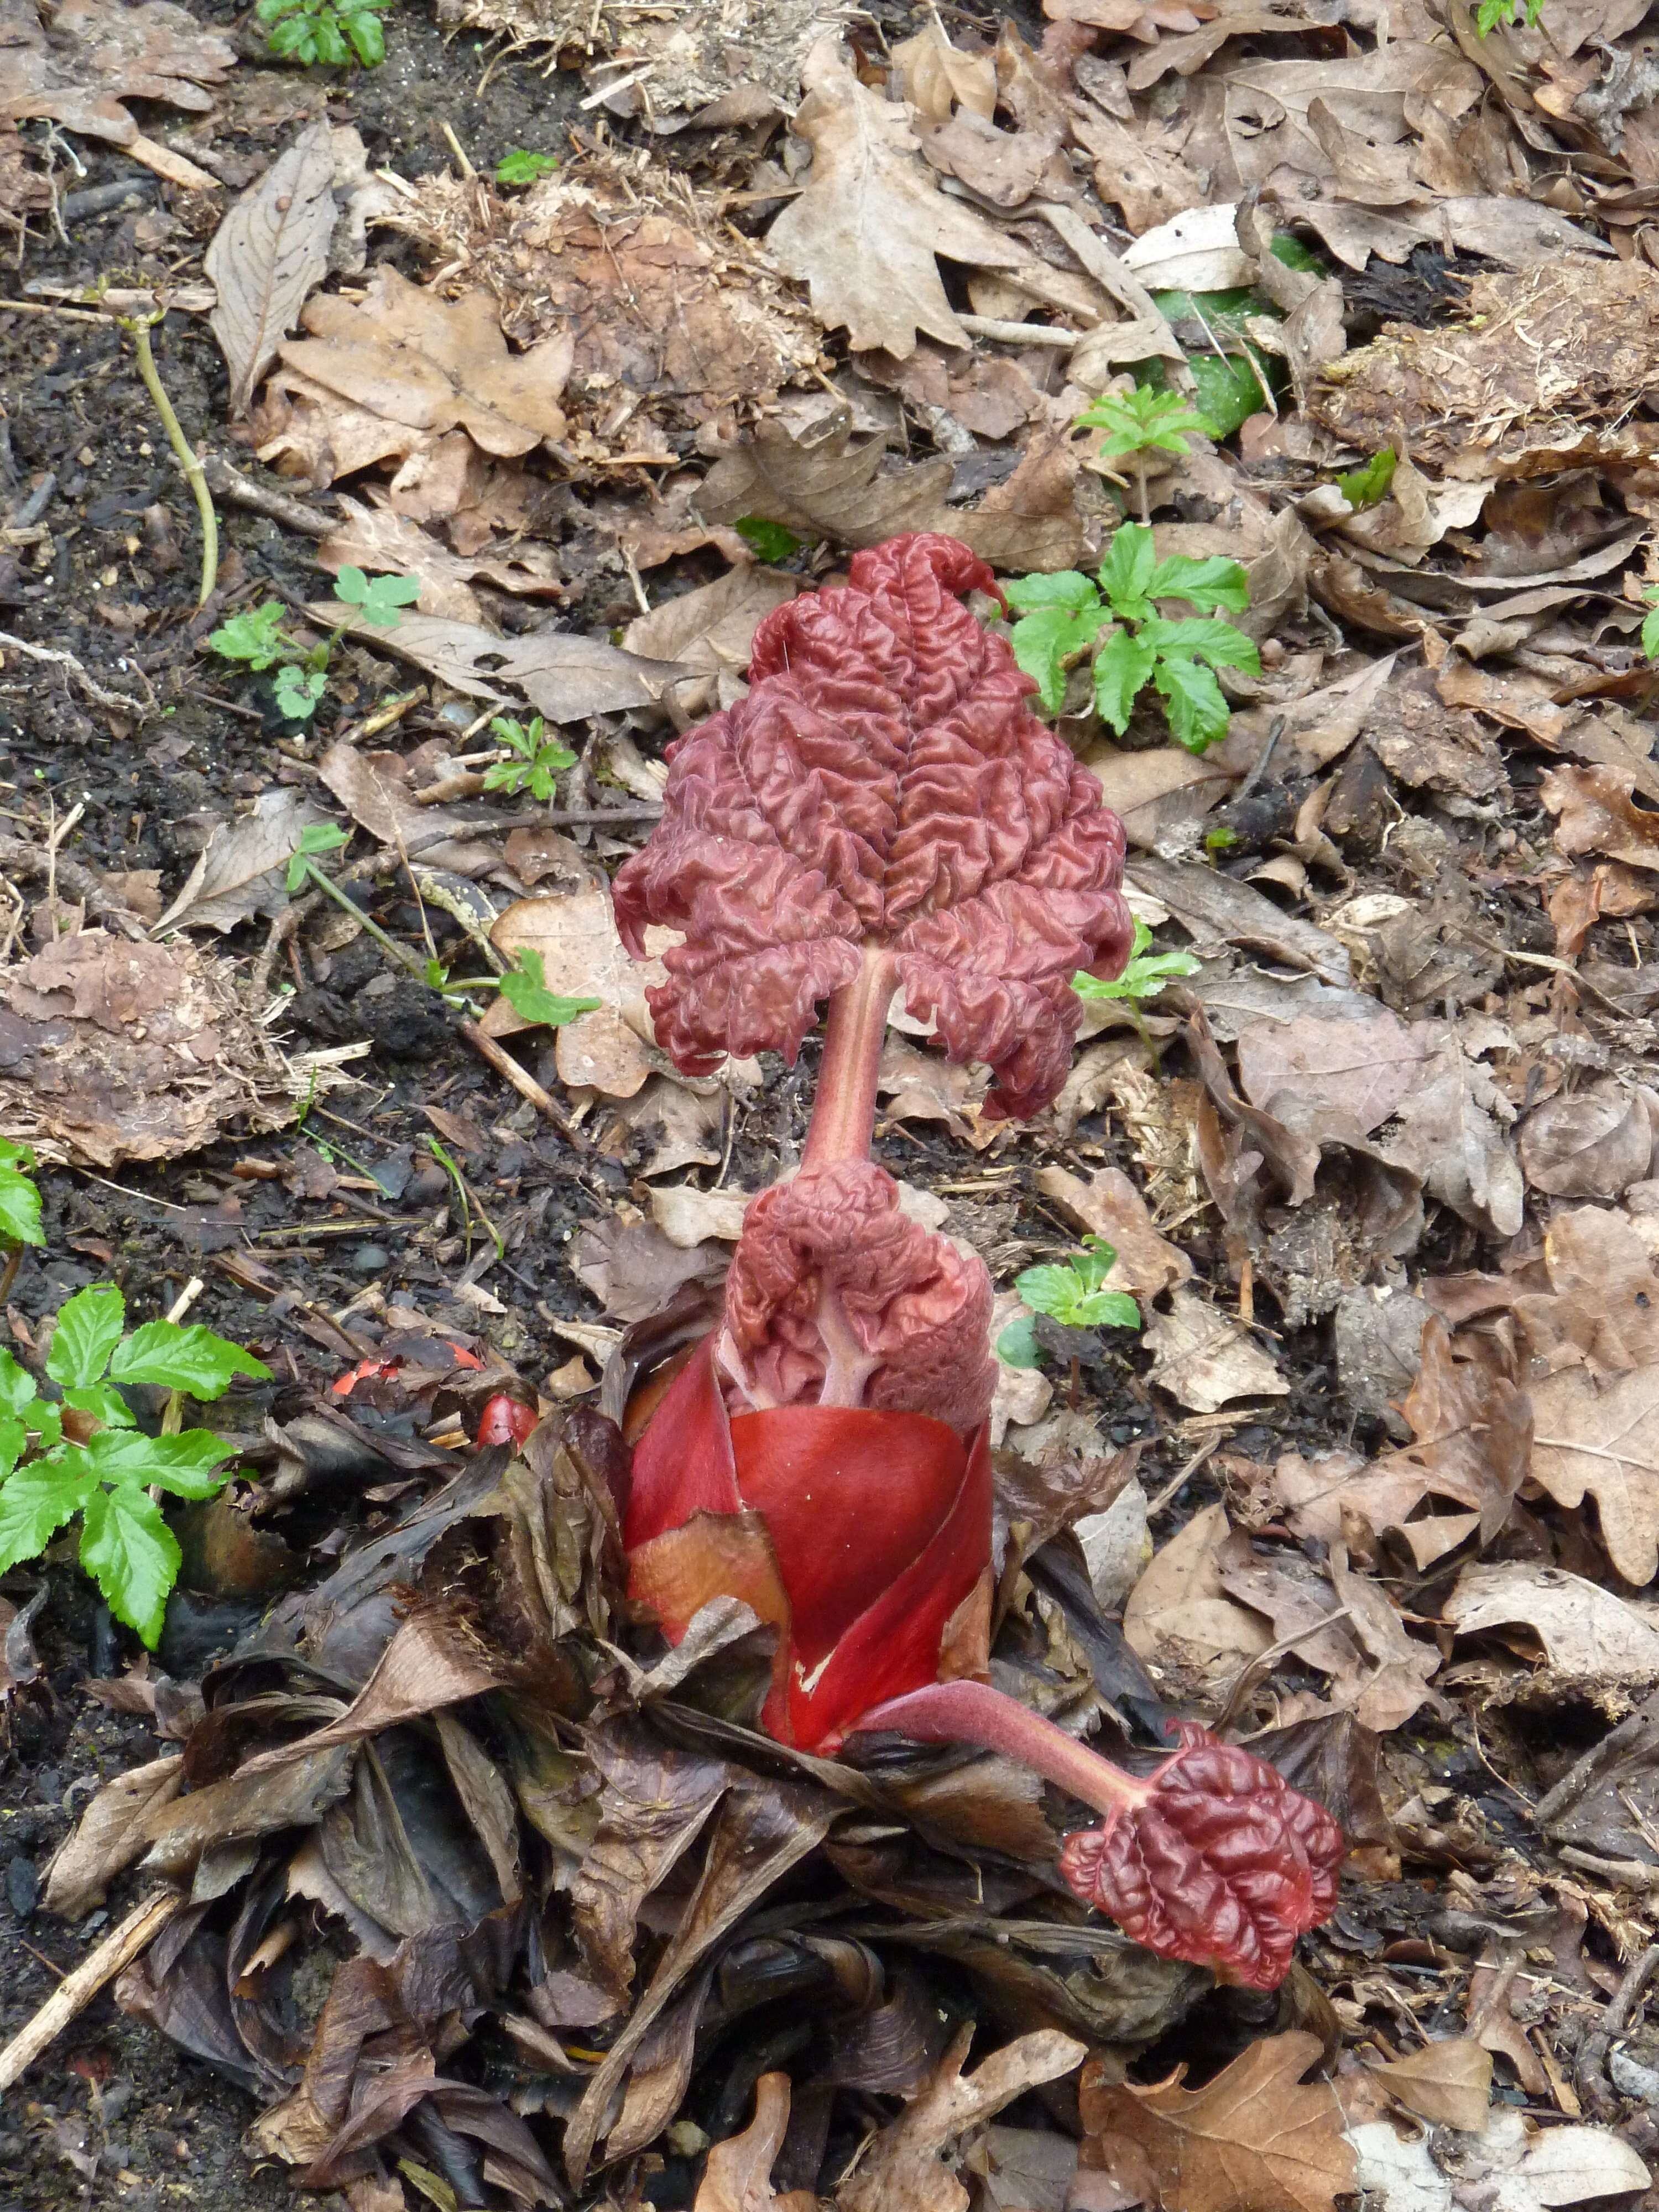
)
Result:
{"points": [[83, 1453], [1114, 615], [883, 813]]}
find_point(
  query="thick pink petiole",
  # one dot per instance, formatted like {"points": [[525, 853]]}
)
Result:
{"points": [[1215, 1858], [844, 1108]]}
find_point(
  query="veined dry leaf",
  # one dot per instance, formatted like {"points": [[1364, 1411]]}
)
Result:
{"points": [[1603, 1441], [1589, 1636], [1179, 1618], [865, 234], [904, 2169], [373, 788], [1590, 1143], [376, 537], [429, 365], [1360, 1070], [1205, 1359], [820, 484], [613, 1048], [1110, 1205], [1448, 1133], [710, 629], [1446, 2083], [269, 255], [98, 54], [938, 77], [1254, 2139], [240, 872], [1595, 813], [563, 675], [110, 1836], [738, 2177]]}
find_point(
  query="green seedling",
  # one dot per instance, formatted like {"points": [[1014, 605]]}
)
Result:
{"points": [[769, 540], [521, 166], [1369, 486], [316, 32], [1140, 422], [256, 638], [1650, 622], [316, 838], [535, 761], [1115, 613], [1492, 13], [525, 988], [1074, 1294], [20, 1211], [105, 1468], [1145, 975]]}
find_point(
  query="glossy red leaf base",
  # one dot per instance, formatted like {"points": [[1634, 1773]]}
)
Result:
{"points": [[860, 1535], [1213, 1858]]}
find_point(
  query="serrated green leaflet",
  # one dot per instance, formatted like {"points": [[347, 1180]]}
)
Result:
{"points": [[1650, 630], [1018, 1345], [1126, 574], [188, 1464], [101, 1402], [770, 540], [17, 1385], [176, 1358], [132, 1556], [20, 1201], [1215, 582], [88, 1329], [1203, 638], [1121, 668], [1365, 486], [1060, 587], [1046, 639], [1072, 1295], [525, 988], [1195, 703], [35, 1501], [1144, 973]]}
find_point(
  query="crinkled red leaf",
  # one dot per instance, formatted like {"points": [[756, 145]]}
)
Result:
{"points": [[1223, 1863], [836, 1297], [884, 782]]}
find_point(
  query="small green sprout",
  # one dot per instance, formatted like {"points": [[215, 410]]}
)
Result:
{"points": [[1064, 614], [46, 1479], [1510, 13], [538, 759], [1650, 622], [525, 988], [1144, 973], [1369, 486], [769, 540], [256, 638], [378, 599], [20, 1201], [521, 166], [1074, 1294], [1140, 422], [321, 32], [315, 837]]}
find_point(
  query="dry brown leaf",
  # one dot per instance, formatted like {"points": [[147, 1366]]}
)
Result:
{"points": [[634, 1271], [375, 537], [1378, 1673], [820, 484], [425, 365], [865, 234], [374, 790], [1110, 1205], [1446, 2083], [938, 77], [1602, 1441], [269, 255], [1448, 1133], [612, 1050], [1179, 1618], [904, 2170], [1590, 1143], [98, 54], [1595, 813], [240, 872], [112, 1051], [1148, 180], [738, 2177], [1254, 2139], [1588, 1637], [1205, 1359], [111, 1835], [710, 629], [1311, 1067], [563, 675]]}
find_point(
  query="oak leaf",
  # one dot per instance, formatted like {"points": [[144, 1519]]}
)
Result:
{"points": [[98, 54], [865, 234], [1254, 2139]]}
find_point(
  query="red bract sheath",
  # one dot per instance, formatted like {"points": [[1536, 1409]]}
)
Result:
{"points": [[1213, 1858], [884, 787], [864, 1538]]}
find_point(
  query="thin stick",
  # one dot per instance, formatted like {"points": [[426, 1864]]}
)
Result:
{"points": [[186, 452], [523, 1082], [81, 1984]]}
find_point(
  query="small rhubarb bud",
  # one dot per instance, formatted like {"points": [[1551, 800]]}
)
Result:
{"points": [[1213, 1858]]}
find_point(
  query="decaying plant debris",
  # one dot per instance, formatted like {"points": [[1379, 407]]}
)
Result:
{"points": [[418, 1865]]}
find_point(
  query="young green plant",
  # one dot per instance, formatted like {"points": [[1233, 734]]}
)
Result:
{"points": [[534, 761], [521, 166], [1115, 614], [20, 1211], [1072, 1294], [1139, 422], [1513, 13], [84, 1455], [256, 639], [331, 33]]}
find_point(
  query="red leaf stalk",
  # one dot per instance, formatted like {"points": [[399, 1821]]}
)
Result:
{"points": [[1213, 1858]]}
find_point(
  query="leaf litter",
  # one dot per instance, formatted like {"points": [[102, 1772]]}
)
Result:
{"points": [[488, 1897]]}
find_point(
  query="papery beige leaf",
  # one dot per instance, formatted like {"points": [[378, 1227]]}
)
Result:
{"points": [[97, 54], [110, 1836], [431, 364], [710, 629], [1590, 1143], [1110, 1205], [1206, 1359], [374, 790], [1179, 1618], [563, 675], [1253, 2139], [737, 2175], [904, 2169], [1603, 1441], [1448, 2083], [269, 255], [611, 1050], [1589, 1636], [865, 234], [376, 538], [820, 484], [1360, 1069], [240, 872]]}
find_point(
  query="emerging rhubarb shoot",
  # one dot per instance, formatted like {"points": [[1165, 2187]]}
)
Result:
{"points": [[1213, 1858]]}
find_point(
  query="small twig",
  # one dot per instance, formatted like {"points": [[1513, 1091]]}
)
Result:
{"points": [[185, 1299], [525, 1084], [995, 327], [263, 499], [81, 1984], [139, 328], [1275, 733]]}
